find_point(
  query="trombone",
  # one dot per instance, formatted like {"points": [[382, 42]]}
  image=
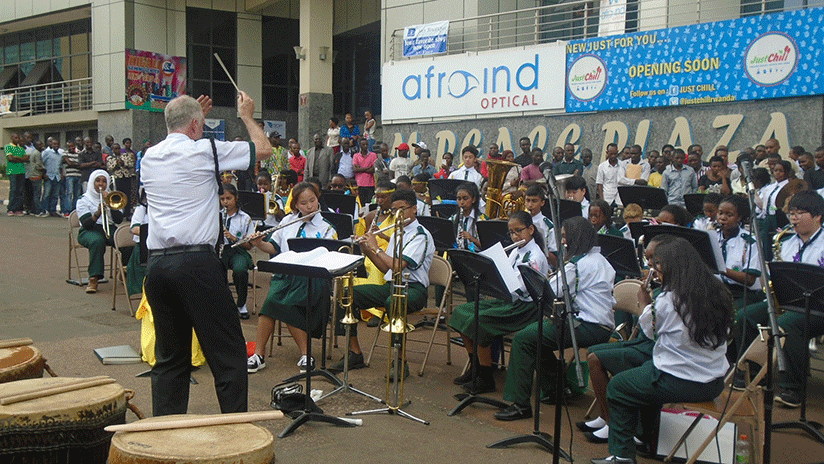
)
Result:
{"points": [[112, 200]]}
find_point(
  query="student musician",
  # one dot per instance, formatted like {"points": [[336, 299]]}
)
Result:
{"points": [[373, 221], [236, 225], [590, 278], [688, 364], [466, 217], [91, 234], [632, 213], [469, 170], [534, 201], [707, 219], [600, 216], [576, 190], [674, 214], [288, 179], [420, 185], [417, 252], [286, 300], [134, 271], [498, 317], [404, 182], [739, 250], [264, 185]]}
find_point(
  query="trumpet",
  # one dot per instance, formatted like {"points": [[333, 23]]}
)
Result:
{"points": [[270, 230]]}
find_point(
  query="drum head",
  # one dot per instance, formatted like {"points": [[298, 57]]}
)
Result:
{"points": [[20, 363], [226, 444]]}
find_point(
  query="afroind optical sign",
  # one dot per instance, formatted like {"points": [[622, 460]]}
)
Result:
{"points": [[758, 57]]}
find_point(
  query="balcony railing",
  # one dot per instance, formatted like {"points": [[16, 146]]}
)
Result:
{"points": [[580, 19], [55, 97]]}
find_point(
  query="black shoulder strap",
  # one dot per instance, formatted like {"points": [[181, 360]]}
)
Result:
{"points": [[219, 243]]}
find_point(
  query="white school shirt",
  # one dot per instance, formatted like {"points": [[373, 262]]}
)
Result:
{"points": [[138, 219], [675, 352], [545, 226], [768, 195], [178, 175], [317, 227], [585, 207], [239, 224], [530, 254], [418, 251], [468, 224], [626, 231], [813, 253], [468, 174], [608, 176], [423, 208], [590, 280], [703, 223], [85, 206], [740, 254]]}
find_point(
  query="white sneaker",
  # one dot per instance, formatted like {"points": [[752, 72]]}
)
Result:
{"points": [[255, 363], [302, 363]]}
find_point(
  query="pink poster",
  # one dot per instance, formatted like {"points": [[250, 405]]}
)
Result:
{"points": [[153, 79]]}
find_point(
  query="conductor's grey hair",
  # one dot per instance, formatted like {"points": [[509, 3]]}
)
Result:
{"points": [[180, 112]]}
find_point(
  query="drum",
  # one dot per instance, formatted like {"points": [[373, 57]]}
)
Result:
{"points": [[223, 444], [66, 428], [20, 363]]}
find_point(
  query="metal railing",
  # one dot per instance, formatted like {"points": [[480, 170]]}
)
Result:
{"points": [[54, 97], [579, 20]]}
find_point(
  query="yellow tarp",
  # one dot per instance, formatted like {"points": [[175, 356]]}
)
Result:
{"points": [[147, 336]]}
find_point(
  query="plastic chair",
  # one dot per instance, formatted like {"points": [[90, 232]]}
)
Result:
{"points": [[123, 238], [735, 406]]}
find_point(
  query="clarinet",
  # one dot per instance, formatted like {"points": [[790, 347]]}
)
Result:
{"points": [[223, 227]]}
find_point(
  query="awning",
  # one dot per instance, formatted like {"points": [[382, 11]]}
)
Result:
{"points": [[41, 74], [11, 77]]}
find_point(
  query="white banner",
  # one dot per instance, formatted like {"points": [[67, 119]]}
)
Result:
{"points": [[5, 102], [425, 39], [500, 81], [612, 18]]}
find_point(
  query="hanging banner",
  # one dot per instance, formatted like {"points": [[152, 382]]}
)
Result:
{"points": [[612, 17], [425, 39], [214, 128], [152, 79], [274, 127], [757, 57]]}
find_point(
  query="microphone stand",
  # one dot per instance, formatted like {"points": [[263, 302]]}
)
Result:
{"points": [[562, 318], [746, 166]]}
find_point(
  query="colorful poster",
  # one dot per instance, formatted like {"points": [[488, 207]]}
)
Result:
{"points": [[425, 39], [275, 127], [757, 57], [214, 128], [153, 79]]}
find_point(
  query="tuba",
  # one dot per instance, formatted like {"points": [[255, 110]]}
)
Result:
{"points": [[497, 170]]}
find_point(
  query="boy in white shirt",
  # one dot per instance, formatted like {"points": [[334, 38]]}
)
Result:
{"points": [[469, 170]]}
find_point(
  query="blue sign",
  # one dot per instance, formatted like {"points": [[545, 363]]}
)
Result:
{"points": [[425, 39], [758, 57]]}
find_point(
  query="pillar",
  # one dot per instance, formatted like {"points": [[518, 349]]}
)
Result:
{"points": [[315, 100]]}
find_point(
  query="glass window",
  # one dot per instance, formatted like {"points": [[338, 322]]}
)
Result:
{"points": [[67, 45], [210, 32], [281, 69]]}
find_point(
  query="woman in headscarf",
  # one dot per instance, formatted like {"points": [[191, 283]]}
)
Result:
{"points": [[91, 233]]}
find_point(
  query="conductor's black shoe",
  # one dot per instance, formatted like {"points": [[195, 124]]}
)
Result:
{"points": [[613, 460], [463, 378], [479, 385], [514, 412], [789, 398], [355, 362]]}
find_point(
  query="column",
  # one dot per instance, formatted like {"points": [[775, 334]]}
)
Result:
{"points": [[315, 100]]}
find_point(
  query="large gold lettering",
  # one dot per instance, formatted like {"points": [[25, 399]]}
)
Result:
{"points": [[539, 138], [570, 134], [681, 136], [447, 141], [473, 137], [777, 129], [615, 132], [642, 133], [731, 122], [398, 140], [504, 139]]}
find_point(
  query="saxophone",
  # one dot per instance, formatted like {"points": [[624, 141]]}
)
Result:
{"points": [[777, 239]]}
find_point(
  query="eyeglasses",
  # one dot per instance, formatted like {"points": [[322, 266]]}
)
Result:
{"points": [[517, 231]]}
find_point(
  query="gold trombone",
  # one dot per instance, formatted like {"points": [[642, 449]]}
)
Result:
{"points": [[112, 200]]}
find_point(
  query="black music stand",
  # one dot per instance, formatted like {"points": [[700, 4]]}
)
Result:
{"points": [[700, 239], [492, 232], [646, 197], [636, 229], [569, 209], [620, 253], [797, 287], [253, 204], [444, 189], [473, 268], [542, 294], [442, 230], [341, 203], [443, 210], [695, 203], [308, 414], [342, 222]]}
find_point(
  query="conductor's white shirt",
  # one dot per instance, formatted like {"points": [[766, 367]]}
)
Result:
{"points": [[178, 175]]}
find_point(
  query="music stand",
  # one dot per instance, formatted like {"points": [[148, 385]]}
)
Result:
{"points": [[620, 253], [644, 196], [695, 203], [492, 232], [444, 189], [253, 204], [342, 222], [442, 231], [797, 287], [340, 203], [443, 210], [636, 229], [543, 296], [569, 209], [308, 414], [473, 268], [700, 239]]}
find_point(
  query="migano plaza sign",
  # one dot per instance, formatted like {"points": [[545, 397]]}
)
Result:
{"points": [[475, 84]]}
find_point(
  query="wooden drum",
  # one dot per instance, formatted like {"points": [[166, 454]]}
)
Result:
{"points": [[214, 444], [65, 428], [20, 363]]}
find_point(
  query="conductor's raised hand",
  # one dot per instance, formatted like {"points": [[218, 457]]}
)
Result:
{"points": [[245, 105], [205, 104]]}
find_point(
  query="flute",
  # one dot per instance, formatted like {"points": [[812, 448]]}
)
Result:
{"points": [[514, 245], [272, 229]]}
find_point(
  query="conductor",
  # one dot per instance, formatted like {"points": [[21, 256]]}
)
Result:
{"points": [[186, 284]]}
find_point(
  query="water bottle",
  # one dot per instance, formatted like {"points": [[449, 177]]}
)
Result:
{"points": [[743, 450]]}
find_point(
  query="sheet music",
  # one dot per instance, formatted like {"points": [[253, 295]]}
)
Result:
{"points": [[332, 261], [716, 249], [498, 256]]}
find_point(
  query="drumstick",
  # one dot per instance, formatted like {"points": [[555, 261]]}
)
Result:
{"points": [[72, 386], [217, 419], [217, 57], [15, 342]]}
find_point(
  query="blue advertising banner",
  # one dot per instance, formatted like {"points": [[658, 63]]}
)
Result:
{"points": [[769, 56], [425, 39]]}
